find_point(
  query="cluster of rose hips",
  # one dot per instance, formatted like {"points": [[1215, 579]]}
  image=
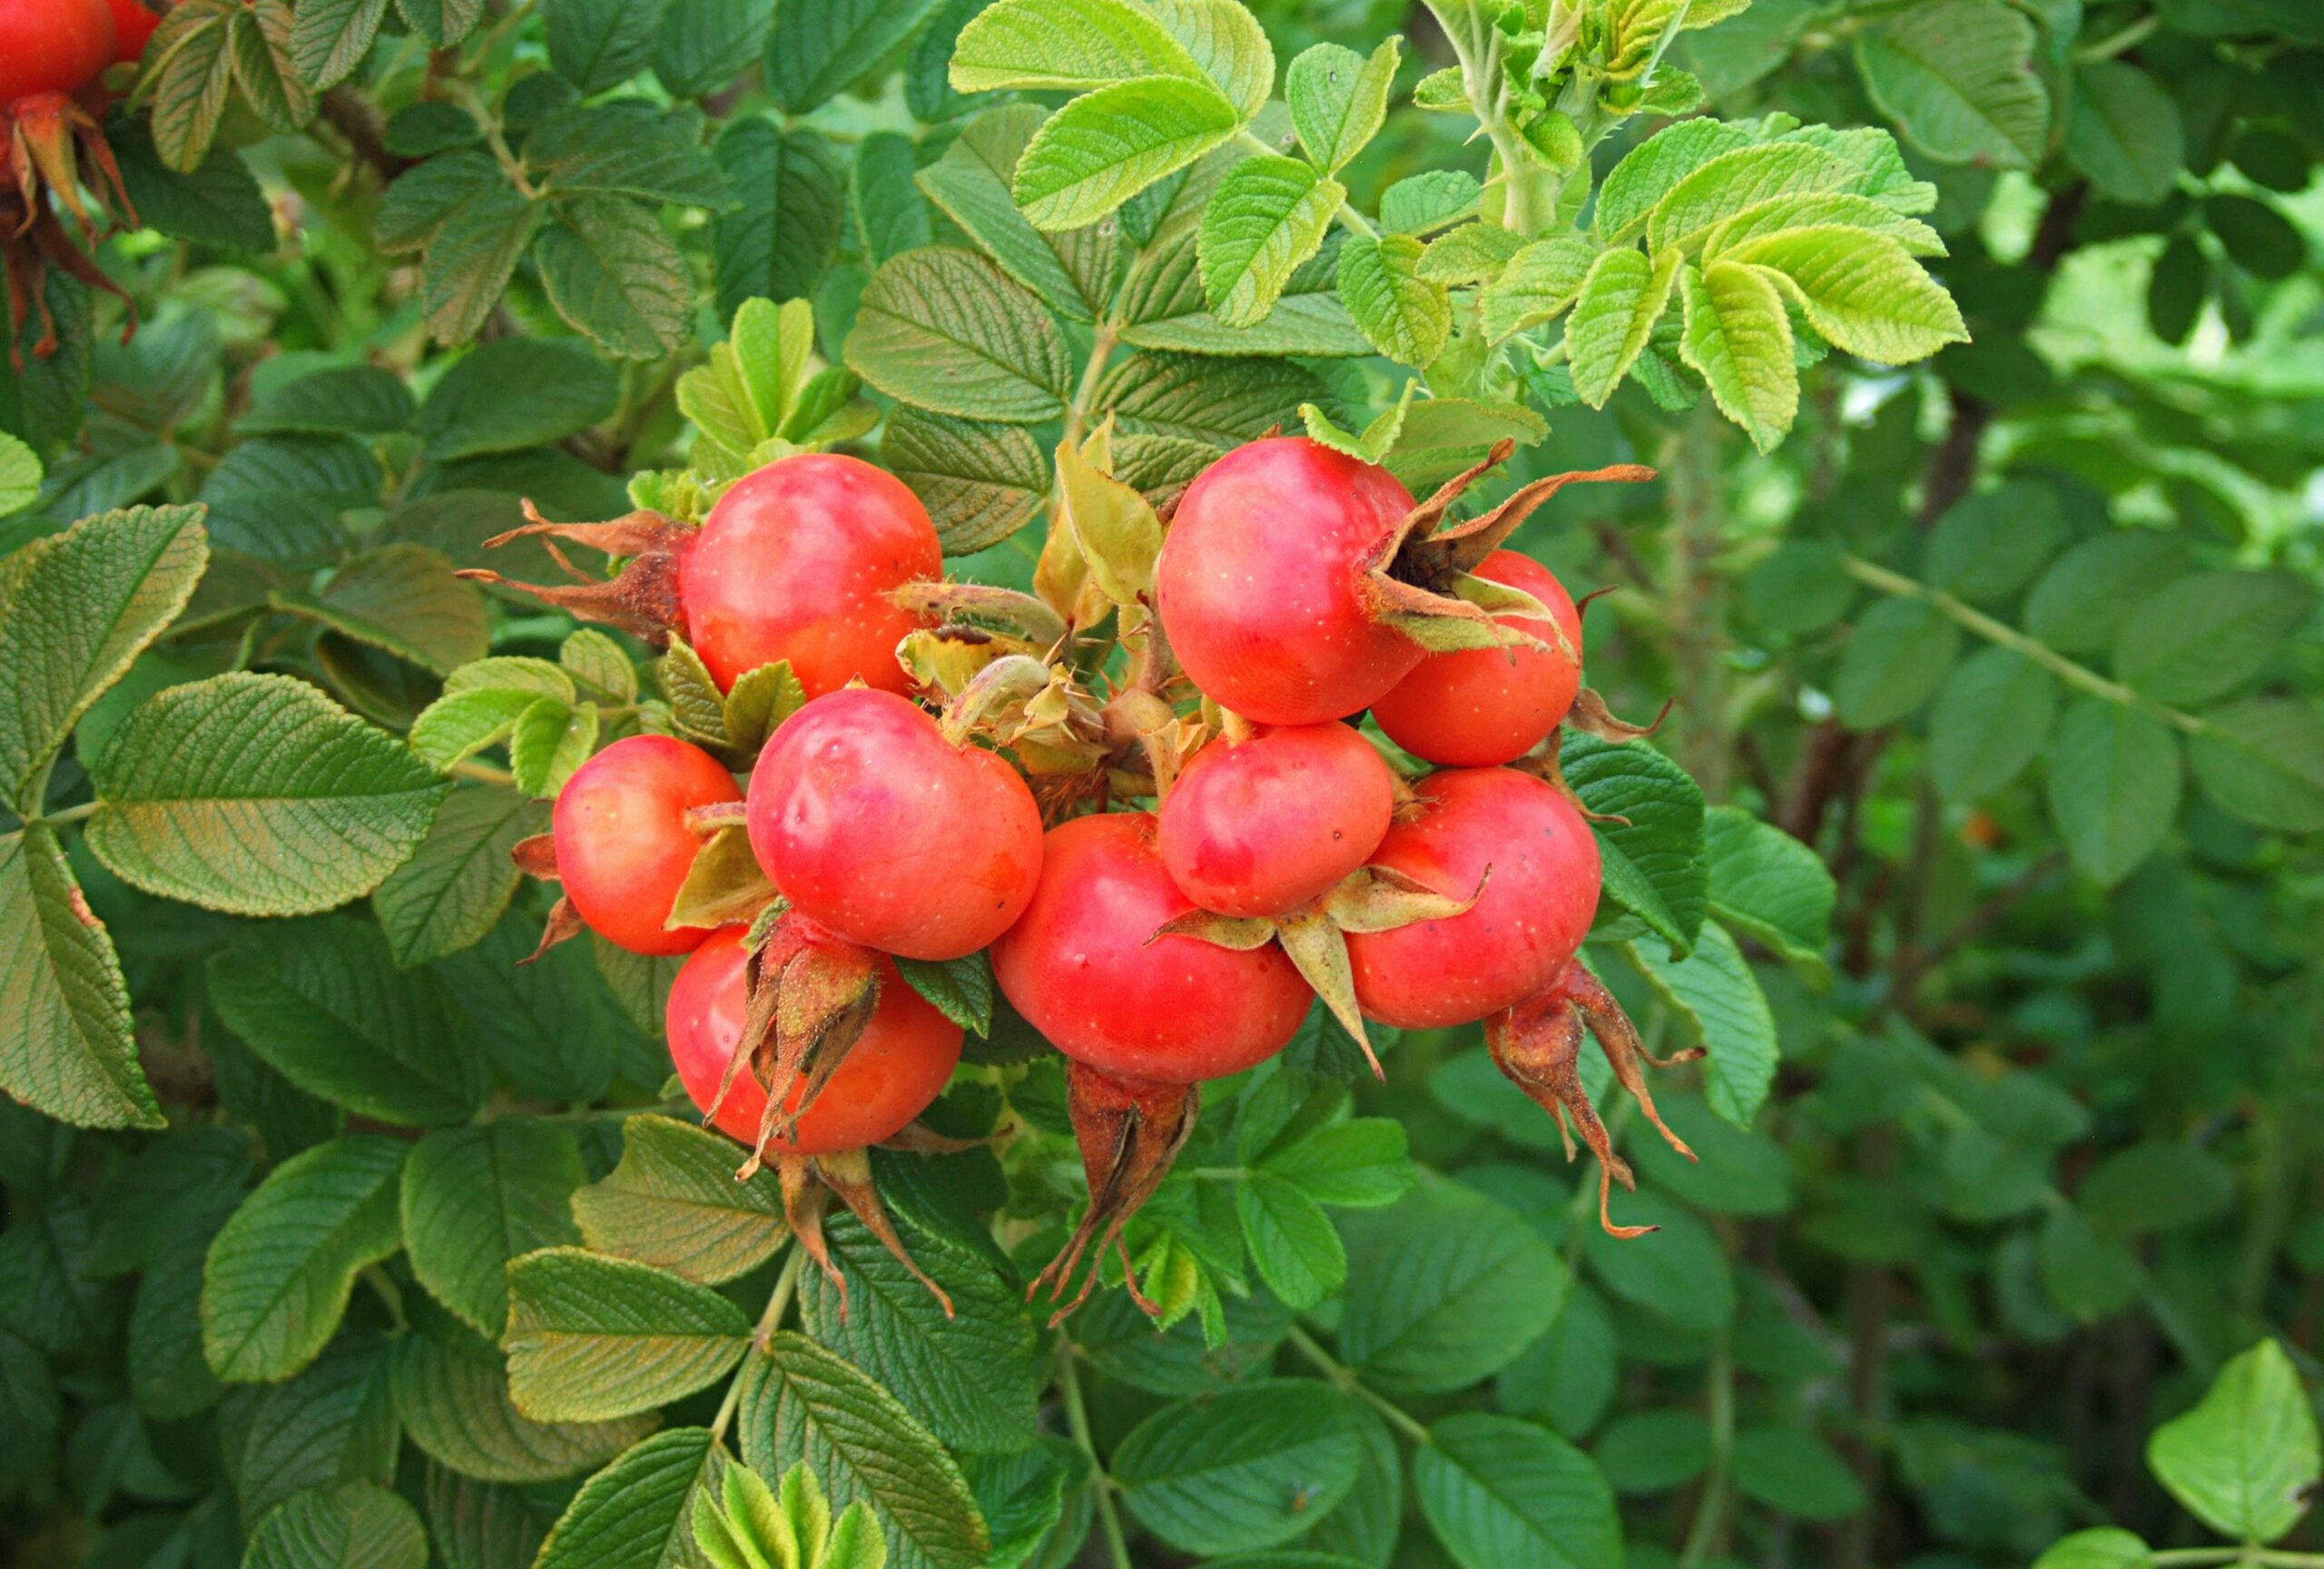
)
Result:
{"points": [[1283, 858], [52, 54]]}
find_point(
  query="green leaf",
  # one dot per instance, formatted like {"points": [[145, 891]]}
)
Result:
{"points": [[1422, 203], [453, 891], [476, 1197], [1497, 1491], [1230, 1472], [600, 43], [819, 46], [1719, 1001], [278, 1274], [1292, 1242], [261, 46], [1267, 217], [591, 1338], [1739, 337], [193, 50], [673, 1202], [638, 1511], [20, 475], [1356, 1164], [802, 1403], [1768, 886], [404, 599], [627, 148], [2263, 760], [1219, 402], [2210, 633], [2243, 1460], [1073, 271], [2156, 1186], [513, 393], [2089, 592], [1653, 1451], [1472, 254], [1444, 1288], [1737, 1171], [612, 273], [1622, 298], [1958, 78], [2257, 238], [1653, 864], [961, 989], [1228, 44], [451, 1395], [971, 1374], [1339, 99], [333, 1423], [891, 214], [1439, 437], [793, 187], [1992, 720], [980, 482], [1898, 658], [65, 1045], [1404, 316], [283, 497], [1864, 292], [1076, 44], [473, 255], [944, 329], [322, 1003], [1989, 545], [1107, 147], [2107, 1548], [167, 1374], [1795, 1473], [2114, 785], [2124, 130], [257, 795], [705, 44], [356, 1525], [349, 400], [1542, 280], [442, 22], [1733, 184], [75, 609], [328, 39], [1650, 170]]}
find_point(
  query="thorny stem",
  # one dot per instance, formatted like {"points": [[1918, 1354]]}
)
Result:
{"points": [[778, 1302], [1337, 1372], [1974, 620], [1710, 1509], [1077, 1418], [469, 768]]}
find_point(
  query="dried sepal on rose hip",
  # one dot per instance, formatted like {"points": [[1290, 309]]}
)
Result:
{"points": [[1143, 1016], [798, 561], [52, 53], [808, 1051], [1298, 585], [1268, 835]]}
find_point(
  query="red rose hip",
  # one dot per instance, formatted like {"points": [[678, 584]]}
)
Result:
{"points": [[1475, 708], [1267, 824], [53, 45], [874, 825], [622, 846], [895, 1068]]}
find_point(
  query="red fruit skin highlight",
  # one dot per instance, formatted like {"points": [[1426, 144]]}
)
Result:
{"points": [[795, 562], [1259, 582], [53, 45], [901, 1063], [1083, 966], [623, 846], [1263, 826], [871, 823], [1476, 708], [1526, 925]]}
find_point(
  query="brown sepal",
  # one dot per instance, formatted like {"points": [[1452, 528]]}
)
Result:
{"points": [[811, 994], [1129, 1131], [1537, 1045], [535, 857], [641, 598], [563, 924], [1592, 717], [849, 1175], [1543, 765]]}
